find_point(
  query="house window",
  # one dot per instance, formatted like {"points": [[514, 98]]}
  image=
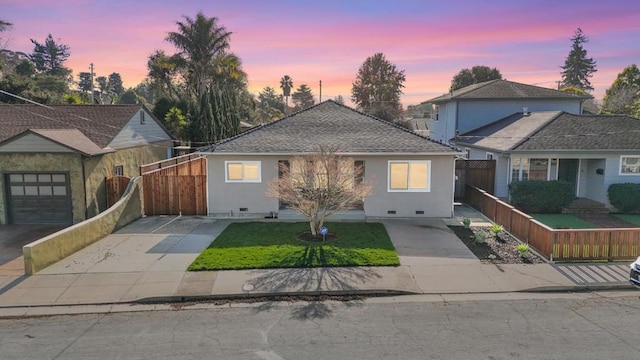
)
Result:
{"points": [[118, 170], [410, 175], [142, 114], [529, 169], [242, 171], [630, 165], [436, 112]]}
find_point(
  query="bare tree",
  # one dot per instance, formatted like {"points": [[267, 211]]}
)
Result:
{"points": [[320, 185]]}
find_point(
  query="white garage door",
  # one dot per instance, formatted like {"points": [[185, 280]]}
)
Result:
{"points": [[39, 198]]}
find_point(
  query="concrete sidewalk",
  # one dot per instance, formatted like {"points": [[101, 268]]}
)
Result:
{"points": [[147, 261]]}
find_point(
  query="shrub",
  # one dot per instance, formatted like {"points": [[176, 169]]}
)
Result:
{"points": [[496, 229], [625, 197], [481, 237], [522, 249], [466, 222], [539, 196]]}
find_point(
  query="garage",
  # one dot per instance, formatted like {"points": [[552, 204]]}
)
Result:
{"points": [[39, 198]]}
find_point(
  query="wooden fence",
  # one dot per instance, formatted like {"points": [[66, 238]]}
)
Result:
{"points": [[115, 188], [175, 186], [480, 173], [558, 244]]}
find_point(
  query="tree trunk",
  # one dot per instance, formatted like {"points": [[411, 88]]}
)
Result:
{"points": [[313, 224]]}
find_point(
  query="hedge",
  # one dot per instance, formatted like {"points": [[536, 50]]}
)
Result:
{"points": [[625, 197], [539, 196]]}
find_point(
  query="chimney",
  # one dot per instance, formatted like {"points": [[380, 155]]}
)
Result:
{"points": [[525, 111]]}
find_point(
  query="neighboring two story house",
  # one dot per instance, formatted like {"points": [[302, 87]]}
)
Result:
{"points": [[477, 105]]}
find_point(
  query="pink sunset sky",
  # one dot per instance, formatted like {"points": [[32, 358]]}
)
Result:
{"points": [[329, 40]]}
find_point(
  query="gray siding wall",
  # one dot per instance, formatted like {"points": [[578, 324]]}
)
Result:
{"points": [[502, 176], [34, 143], [594, 183], [226, 197], [472, 114], [440, 130], [137, 134]]}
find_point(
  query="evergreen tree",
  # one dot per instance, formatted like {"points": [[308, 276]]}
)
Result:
{"points": [[302, 98], [49, 57], [578, 68]]}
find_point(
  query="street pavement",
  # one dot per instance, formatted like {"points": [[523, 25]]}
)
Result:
{"points": [[147, 261]]}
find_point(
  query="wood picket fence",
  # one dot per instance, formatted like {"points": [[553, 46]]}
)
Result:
{"points": [[558, 244]]}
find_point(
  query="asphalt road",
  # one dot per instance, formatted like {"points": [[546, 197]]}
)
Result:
{"points": [[553, 326]]}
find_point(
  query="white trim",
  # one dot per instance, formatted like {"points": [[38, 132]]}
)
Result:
{"points": [[578, 178], [409, 162], [448, 153], [243, 163], [620, 165], [493, 156]]}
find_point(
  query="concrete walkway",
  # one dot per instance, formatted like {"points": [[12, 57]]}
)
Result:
{"points": [[147, 261]]}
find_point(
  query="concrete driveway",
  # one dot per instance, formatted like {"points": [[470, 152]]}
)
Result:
{"points": [[13, 238]]}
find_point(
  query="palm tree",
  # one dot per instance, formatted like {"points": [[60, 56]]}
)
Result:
{"points": [[286, 84], [200, 40]]}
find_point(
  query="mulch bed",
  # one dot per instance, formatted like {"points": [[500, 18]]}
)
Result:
{"points": [[495, 250]]}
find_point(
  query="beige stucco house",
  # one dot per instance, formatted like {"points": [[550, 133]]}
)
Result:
{"points": [[54, 159], [413, 175]]}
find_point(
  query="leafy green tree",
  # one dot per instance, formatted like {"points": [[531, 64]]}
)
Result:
{"points": [[49, 57], [578, 68], [475, 75], [176, 122], [130, 97], [302, 98], [377, 88], [162, 73], [286, 84], [115, 82], [84, 81], [74, 99], [25, 68], [218, 114], [623, 94]]}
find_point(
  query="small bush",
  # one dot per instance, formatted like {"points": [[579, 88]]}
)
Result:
{"points": [[466, 222], [522, 249], [481, 238], [539, 196], [625, 197], [496, 229]]}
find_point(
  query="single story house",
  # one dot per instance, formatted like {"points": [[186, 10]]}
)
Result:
{"points": [[54, 159], [413, 175], [479, 104], [589, 151]]}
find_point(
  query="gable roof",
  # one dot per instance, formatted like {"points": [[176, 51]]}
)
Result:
{"points": [[544, 131], [73, 139], [329, 124], [503, 89], [99, 123]]}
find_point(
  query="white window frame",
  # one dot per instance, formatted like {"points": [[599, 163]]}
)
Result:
{"points": [[243, 163], [426, 162], [620, 165], [490, 156]]}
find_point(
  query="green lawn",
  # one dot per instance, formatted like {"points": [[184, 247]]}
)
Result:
{"points": [[258, 245], [630, 218], [563, 221]]}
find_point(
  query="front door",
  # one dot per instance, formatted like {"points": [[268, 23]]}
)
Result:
{"points": [[568, 171]]}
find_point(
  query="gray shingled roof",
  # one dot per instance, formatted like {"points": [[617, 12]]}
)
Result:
{"points": [[329, 124], [72, 138], [99, 123], [505, 134], [503, 89], [549, 131], [586, 132]]}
